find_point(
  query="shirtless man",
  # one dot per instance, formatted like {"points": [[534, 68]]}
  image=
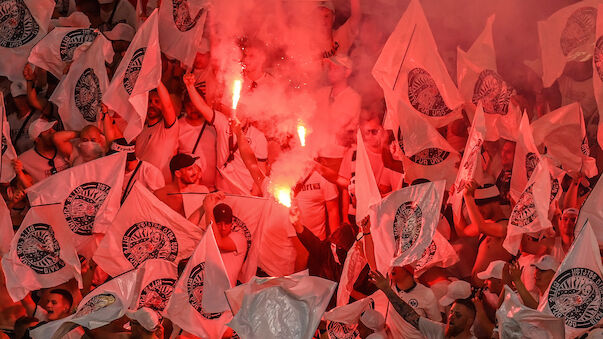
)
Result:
{"points": [[488, 221], [185, 173]]}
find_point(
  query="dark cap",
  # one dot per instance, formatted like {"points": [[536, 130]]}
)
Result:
{"points": [[180, 161], [223, 213]]}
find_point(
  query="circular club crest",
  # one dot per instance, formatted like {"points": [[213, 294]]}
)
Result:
{"points": [[413, 302], [87, 95], [75, 39], [493, 92], [82, 205], [39, 249], [427, 157], [3, 145], [17, 25], [194, 286], [337, 330], [149, 240], [156, 294], [579, 30], [598, 55], [577, 296], [428, 254], [584, 147], [133, 69], [96, 303], [240, 227], [424, 95], [182, 17], [524, 211], [531, 163], [554, 188], [407, 226]]}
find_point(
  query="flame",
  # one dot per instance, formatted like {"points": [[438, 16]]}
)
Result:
{"points": [[283, 196], [236, 93], [301, 133]]}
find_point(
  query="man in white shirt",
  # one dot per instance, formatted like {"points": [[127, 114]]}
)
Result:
{"points": [[318, 199], [43, 160], [460, 317]]}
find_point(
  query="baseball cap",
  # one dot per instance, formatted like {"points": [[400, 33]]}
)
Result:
{"points": [[223, 213], [180, 161], [486, 194], [373, 320], [458, 289], [38, 127], [121, 31], [546, 262], [18, 88], [146, 317], [494, 270]]}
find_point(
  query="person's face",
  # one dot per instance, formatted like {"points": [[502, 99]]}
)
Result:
{"points": [[57, 307], [336, 73], [399, 274], [568, 223], [191, 111], [154, 107], [507, 155], [46, 136], [188, 175], [372, 133], [459, 318], [91, 135], [201, 60], [224, 228], [253, 59], [543, 278]]}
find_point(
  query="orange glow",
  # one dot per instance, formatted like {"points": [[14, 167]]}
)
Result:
{"points": [[301, 133], [236, 93], [283, 196]]}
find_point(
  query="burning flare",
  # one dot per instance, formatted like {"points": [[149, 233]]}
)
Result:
{"points": [[236, 93], [301, 133], [283, 196]]}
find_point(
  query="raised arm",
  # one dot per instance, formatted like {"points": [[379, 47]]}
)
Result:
{"points": [[489, 228], [369, 246], [32, 96], [251, 162], [515, 272], [168, 111], [403, 309], [62, 141], [196, 98]]}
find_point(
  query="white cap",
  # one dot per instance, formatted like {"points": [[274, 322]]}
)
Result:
{"points": [[146, 317], [546, 262], [76, 19], [494, 270], [373, 320], [121, 31], [38, 127], [458, 289], [486, 192], [18, 88]]}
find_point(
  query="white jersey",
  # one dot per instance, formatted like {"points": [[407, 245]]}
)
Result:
{"points": [[157, 145], [206, 148], [423, 301]]}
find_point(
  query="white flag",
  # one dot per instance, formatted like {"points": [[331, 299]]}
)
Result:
{"points": [[471, 162], [7, 151], [515, 320], [592, 210], [145, 228], [63, 45], [530, 213], [479, 82], [6, 228], [287, 307], [438, 254], [155, 284], [525, 160], [353, 265], [137, 74], [203, 278], [342, 321], [427, 155], [181, 25], [88, 195], [24, 23], [564, 135], [41, 253], [79, 94], [100, 307], [567, 35], [404, 223], [410, 68], [598, 72], [576, 291], [367, 192]]}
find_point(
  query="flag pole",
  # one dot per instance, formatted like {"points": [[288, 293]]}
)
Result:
{"points": [[404, 57], [226, 194]]}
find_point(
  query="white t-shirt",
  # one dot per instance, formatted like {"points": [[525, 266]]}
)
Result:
{"points": [[339, 113], [312, 199], [24, 142], [38, 167], [206, 148], [148, 175], [423, 301], [277, 253], [235, 178], [233, 261], [125, 13], [157, 145], [432, 329]]}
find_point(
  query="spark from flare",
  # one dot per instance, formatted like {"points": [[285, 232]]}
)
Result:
{"points": [[301, 133], [236, 93]]}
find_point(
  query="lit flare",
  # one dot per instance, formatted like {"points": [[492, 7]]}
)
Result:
{"points": [[236, 93], [301, 133], [283, 196]]}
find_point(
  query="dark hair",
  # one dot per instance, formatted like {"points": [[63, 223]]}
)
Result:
{"points": [[65, 295], [419, 181], [467, 303]]}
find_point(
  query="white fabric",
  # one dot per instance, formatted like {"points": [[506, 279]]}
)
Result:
{"points": [[567, 35], [525, 160], [88, 195], [233, 261], [7, 151], [206, 149], [423, 301], [137, 74], [37, 166], [148, 176], [403, 224], [79, 94], [124, 13], [41, 254], [439, 253], [432, 329], [471, 162], [24, 24], [24, 142], [410, 68], [6, 228], [64, 44], [354, 264], [312, 199], [593, 211], [575, 291], [145, 228], [343, 320], [155, 284], [598, 72], [367, 192], [181, 28], [201, 285], [157, 144], [530, 213]]}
